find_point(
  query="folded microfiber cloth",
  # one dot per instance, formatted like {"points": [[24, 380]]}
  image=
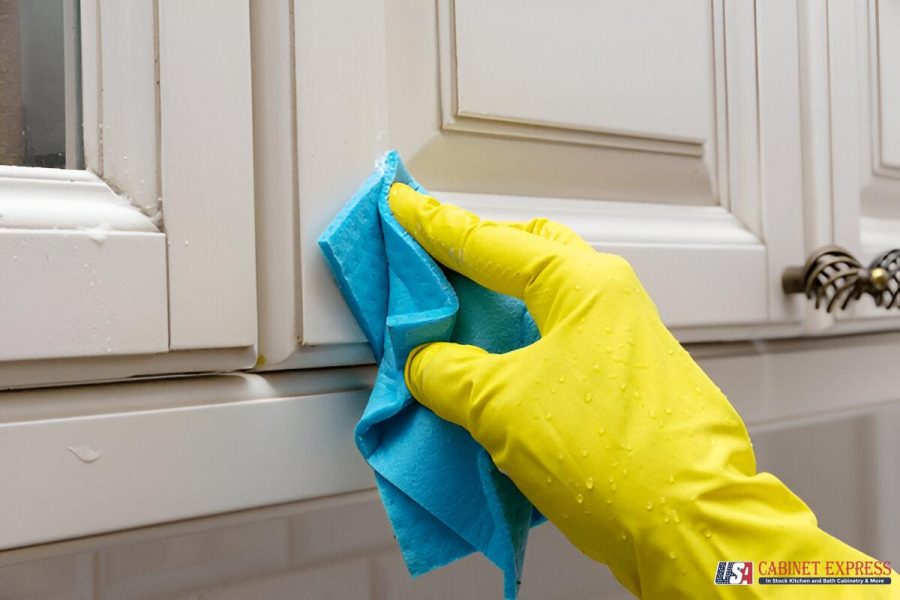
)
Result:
{"points": [[441, 490]]}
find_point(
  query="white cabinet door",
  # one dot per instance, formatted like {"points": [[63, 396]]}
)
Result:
{"points": [[144, 262], [851, 58], [665, 132]]}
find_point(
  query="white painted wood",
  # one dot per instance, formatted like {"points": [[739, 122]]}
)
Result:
{"points": [[780, 204], [83, 271], [742, 124], [122, 327], [616, 222], [81, 293], [453, 119], [779, 380], [193, 445], [818, 216], [65, 402], [480, 119], [526, 64], [275, 176], [675, 172], [130, 129], [856, 205], [169, 464], [310, 547], [336, 150], [302, 509], [886, 449], [815, 124], [804, 454], [313, 549], [311, 357], [694, 240], [36, 198], [207, 171], [107, 368], [849, 77], [888, 48]]}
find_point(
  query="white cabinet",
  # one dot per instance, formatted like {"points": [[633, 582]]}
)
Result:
{"points": [[144, 262], [712, 143], [851, 60], [668, 133]]}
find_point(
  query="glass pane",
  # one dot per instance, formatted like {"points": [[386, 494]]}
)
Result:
{"points": [[39, 120]]}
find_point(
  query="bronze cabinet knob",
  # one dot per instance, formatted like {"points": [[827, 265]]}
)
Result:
{"points": [[834, 277]]}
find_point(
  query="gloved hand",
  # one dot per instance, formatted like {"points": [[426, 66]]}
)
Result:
{"points": [[606, 424]]}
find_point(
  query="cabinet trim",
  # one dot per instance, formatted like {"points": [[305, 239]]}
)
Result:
{"points": [[165, 464], [282, 437], [39, 198]]}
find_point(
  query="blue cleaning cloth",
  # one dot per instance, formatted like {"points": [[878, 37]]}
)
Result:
{"points": [[441, 490]]}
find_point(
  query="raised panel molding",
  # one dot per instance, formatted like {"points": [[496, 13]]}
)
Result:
{"points": [[68, 251], [853, 193], [500, 141], [689, 242], [495, 88], [396, 86], [886, 45]]}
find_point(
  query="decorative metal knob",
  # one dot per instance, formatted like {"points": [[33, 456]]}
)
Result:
{"points": [[833, 275]]}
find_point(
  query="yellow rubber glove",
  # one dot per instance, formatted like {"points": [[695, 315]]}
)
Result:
{"points": [[606, 424]]}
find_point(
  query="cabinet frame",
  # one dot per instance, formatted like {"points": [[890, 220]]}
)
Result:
{"points": [[848, 188], [167, 129], [744, 243]]}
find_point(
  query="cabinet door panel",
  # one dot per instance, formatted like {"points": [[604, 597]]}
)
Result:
{"points": [[856, 184], [888, 14], [510, 66], [144, 262], [668, 135]]}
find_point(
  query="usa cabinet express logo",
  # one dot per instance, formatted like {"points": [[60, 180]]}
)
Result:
{"points": [[734, 573], [804, 572]]}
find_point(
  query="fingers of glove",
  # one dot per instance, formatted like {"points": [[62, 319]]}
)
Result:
{"points": [[446, 377], [551, 230], [504, 259]]}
